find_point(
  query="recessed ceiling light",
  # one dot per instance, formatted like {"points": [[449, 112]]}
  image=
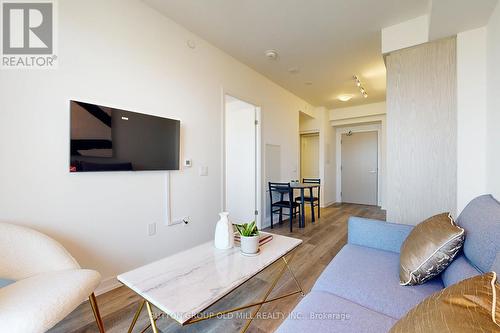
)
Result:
{"points": [[271, 54], [308, 83], [344, 97], [191, 44]]}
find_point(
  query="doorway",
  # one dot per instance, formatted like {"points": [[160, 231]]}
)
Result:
{"points": [[241, 157], [359, 167], [309, 155]]}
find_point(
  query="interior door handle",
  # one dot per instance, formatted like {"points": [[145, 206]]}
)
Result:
{"points": [[372, 171]]}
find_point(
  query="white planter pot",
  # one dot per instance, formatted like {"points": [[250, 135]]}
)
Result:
{"points": [[250, 245]]}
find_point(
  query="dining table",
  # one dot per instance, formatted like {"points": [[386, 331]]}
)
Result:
{"points": [[302, 187]]}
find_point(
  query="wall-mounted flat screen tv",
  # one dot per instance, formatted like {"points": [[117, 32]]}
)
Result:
{"points": [[109, 139]]}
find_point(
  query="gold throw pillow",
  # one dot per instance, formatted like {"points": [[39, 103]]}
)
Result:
{"points": [[429, 248], [470, 306]]}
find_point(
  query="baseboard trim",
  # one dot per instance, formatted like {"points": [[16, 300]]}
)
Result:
{"points": [[327, 204], [107, 285]]}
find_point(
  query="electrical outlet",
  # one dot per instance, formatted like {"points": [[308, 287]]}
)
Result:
{"points": [[151, 229], [183, 220]]}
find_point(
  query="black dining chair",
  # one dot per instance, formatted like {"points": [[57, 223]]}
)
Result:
{"points": [[313, 198], [285, 193]]}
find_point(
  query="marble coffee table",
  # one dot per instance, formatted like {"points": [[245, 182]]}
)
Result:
{"points": [[185, 284]]}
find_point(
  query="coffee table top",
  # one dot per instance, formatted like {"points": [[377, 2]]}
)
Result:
{"points": [[186, 283]]}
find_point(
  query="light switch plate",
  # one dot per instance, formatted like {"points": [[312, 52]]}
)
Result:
{"points": [[203, 171], [151, 229]]}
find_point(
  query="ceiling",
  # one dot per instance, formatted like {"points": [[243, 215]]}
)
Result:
{"points": [[327, 41], [444, 14]]}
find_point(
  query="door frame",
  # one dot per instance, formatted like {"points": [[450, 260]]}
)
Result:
{"points": [[307, 133], [357, 129], [258, 153]]}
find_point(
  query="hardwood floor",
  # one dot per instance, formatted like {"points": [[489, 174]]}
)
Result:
{"points": [[322, 241]]}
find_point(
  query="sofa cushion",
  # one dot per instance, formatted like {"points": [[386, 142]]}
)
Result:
{"points": [[324, 312], [481, 221], [471, 306], [370, 278], [459, 270], [429, 248]]}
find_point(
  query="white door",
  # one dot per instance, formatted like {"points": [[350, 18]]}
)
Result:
{"points": [[240, 160], [309, 156], [359, 168]]}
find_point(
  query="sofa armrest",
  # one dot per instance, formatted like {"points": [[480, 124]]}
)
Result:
{"points": [[377, 234]]}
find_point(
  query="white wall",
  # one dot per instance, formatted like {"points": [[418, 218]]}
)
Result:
{"points": [[358, 111], [308, 124], [327, 160], [471, 116], [405, 34], [493, 77], [124, 54]]}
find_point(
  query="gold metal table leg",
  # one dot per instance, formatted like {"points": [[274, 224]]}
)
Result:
{"points": [[136, 316], [95, 311], [293, 276], [151, 317], [268, 292]]}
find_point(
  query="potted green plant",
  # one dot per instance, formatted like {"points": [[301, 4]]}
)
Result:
{"points": [[249, 238]]}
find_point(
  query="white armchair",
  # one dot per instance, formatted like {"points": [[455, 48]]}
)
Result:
{"points": [[49, 283]]}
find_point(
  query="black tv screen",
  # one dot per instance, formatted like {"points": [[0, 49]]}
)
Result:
{"points": [[108, 139]]}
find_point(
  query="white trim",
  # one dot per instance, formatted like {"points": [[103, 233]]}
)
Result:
{"points": [[314, 131], [338, 152], [258, 154], [168, 205], [326, 204], [258, 166]]}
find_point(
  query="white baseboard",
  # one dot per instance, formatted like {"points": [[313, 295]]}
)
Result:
{"points": [[324, 205], [107, 285]]}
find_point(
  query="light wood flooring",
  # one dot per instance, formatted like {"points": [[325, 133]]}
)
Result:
{"points": [[322, 241]]}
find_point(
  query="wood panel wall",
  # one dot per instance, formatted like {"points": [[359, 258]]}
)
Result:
{"points": [[421, 131]]}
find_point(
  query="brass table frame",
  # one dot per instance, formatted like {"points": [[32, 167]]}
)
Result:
{"points": [[265, 300]]}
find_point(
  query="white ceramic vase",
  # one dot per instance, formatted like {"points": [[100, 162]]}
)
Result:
{"points": [[224, 234], [250, 245]]}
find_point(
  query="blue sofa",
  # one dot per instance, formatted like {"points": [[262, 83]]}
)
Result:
{"points": [[359, 290]]}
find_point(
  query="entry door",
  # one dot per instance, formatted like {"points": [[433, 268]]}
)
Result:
{"points": [[360, 168], [309, 156], [240, 161]]}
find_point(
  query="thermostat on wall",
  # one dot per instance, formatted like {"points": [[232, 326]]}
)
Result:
{"points": [[188, 163]]}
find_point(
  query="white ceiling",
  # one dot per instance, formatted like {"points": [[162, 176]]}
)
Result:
{"points": [[327, 40], [448, 17]]}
